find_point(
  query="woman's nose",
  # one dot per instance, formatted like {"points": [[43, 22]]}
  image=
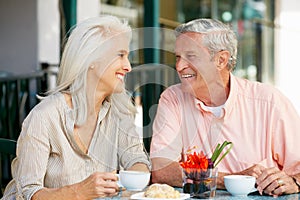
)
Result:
{"points": [[127, 67]]}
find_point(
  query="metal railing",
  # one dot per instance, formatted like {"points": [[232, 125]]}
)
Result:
{"points": [[17, 97]]}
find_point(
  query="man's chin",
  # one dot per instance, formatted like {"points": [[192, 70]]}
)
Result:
{"points": [[186, 88]]}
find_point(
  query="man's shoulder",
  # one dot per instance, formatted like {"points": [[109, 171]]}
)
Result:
{"points": [[174, 95], [258, 90], [173, 90]]}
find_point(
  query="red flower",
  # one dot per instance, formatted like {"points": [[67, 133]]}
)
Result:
{"points": [[196, 161], [201, 162]]}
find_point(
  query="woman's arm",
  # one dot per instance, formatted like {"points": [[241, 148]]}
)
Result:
{"points": [[31, 165], [131, 151], [97, 185]]}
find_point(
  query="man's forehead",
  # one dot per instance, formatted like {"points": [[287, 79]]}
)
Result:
{"points": [[190, 36], [188, 42]]}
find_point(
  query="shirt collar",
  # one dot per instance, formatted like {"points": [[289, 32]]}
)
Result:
{"points": [[229, 102], [104, 110]]}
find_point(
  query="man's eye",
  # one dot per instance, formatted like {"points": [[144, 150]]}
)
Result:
{"points": [[191, 56], [121, 55]]}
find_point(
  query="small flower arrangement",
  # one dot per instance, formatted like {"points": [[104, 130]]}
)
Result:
{"points": [[200, 171]]}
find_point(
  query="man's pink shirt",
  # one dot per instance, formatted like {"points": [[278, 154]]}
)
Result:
{"points": [[261, 123]]}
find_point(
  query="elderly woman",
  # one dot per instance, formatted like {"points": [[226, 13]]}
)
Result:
{"points": [[74, 139]]}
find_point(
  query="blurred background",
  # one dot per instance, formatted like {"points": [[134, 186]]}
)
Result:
{"points": [[32, 33]]}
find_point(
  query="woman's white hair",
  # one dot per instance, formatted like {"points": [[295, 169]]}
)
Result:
{"points": [[81, 50], [217, 36]]}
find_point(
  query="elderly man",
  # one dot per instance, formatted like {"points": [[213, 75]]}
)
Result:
{"points": [[211, 105]]}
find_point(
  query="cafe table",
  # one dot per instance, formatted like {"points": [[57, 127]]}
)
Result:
{"points": [[222, 195]]}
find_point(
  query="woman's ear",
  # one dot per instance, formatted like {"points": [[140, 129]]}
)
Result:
{"points": [[222, 59]]}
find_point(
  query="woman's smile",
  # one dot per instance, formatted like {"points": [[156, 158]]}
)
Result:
{"points": [[120, 76]]}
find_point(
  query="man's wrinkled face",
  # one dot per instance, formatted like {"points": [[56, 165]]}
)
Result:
{"points": [[193, 63]]}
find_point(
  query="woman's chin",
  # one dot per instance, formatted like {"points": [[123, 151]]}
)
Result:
{"points": [[119, 89]]}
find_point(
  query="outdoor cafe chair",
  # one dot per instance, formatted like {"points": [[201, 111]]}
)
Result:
{"points": [[7, 153]]}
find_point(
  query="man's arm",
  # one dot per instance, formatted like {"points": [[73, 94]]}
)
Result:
{"points": [[166, 171], [139, 167]]}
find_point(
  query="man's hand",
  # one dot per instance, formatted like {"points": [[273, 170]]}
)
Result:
{"points": [[274, 182], [271, 181], [256, 170]]}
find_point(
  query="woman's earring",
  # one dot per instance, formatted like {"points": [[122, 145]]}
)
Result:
{"points": [[92, 67]]}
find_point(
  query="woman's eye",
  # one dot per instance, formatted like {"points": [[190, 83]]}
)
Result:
{"points": [[121, 55]]}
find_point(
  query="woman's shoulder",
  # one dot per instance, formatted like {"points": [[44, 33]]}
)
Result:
{"points": [[50, 102], [48, 106], [46, 113]]}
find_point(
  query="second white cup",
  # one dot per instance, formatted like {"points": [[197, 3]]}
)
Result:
{"points": [[239, 185]]}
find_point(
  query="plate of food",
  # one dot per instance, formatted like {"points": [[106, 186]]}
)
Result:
{"points": [[141, 195], [159, 192]]}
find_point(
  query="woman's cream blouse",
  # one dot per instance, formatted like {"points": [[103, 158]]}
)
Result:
{"points": [[48, 156]]}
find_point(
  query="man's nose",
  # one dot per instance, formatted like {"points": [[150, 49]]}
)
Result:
{"points": [[181, 64]]}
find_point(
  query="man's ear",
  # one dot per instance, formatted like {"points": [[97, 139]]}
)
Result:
{"points": [[222, 59]]}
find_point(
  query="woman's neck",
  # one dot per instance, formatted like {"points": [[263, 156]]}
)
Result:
{"points": [[95, 100]]}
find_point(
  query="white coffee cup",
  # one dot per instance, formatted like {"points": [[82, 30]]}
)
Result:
{"points": [[134, 180], [239, 185]]}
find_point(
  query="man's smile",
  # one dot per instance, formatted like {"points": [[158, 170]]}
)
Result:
{"points": [[187, 75]]}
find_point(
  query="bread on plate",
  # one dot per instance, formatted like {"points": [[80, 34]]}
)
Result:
{"points": [[161, 191]]}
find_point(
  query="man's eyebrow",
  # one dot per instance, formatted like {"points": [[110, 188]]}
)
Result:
{"points": [[186, 52], [123, 51]]}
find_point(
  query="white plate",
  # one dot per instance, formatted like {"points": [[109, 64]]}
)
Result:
{"points": [[140, 195]]}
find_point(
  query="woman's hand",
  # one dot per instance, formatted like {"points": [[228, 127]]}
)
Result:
{"points": [[99, 184], [274, 182]]}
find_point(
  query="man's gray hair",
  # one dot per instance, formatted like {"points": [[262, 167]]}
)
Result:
{"points": [[217, 36]]}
